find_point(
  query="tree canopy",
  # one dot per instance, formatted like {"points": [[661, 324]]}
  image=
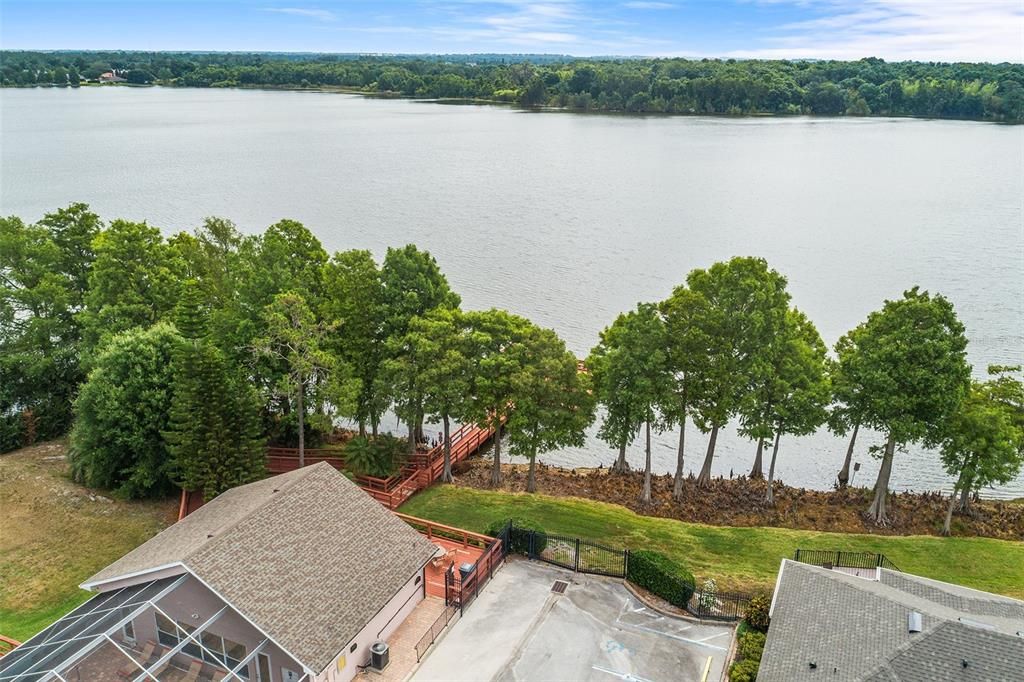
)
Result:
{"points": [[865, 87]]}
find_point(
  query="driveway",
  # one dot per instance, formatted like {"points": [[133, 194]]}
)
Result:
{"points": [[519, 630]]}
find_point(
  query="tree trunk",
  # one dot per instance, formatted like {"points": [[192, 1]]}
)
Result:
{"points": [[949, 511], [412, 437], [496, 469], [769, 497], [374, 426], [646, 496], [705, 471], [446, 475], [677, 487], [621, 465], [877, 510], [362, 428], [844, 473], [757, 471], [302, 426], [531, 481], [420, 436], [965, 498]]}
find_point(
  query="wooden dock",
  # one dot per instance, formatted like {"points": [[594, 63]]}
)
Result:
{"points": [[419, 471]]}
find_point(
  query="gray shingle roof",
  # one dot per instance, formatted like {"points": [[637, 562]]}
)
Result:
{"points": [[307, 556], [856, 629]]}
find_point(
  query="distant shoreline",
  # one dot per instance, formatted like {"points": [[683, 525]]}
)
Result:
{"points": [[469, 101]]}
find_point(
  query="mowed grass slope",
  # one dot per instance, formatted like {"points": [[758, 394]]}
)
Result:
{"points": [[737, 558], [54, 534]]}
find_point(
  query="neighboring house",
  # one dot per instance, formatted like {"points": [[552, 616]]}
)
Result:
{"points": [[111, 77], [289, 578], [830, 625]]}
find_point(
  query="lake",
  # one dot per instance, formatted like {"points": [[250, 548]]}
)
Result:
{"points": [[569, 219]]}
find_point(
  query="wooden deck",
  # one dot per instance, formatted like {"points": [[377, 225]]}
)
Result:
{"points": [[422, 468]]}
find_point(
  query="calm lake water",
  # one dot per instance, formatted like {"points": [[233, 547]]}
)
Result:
{"points": [[570, 219]]}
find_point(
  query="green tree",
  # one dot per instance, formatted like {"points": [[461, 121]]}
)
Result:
{"points": [[684, 313], [353, 302], [444, 346], [631, 371], [213, 434], [910, 360], [746, 307], [131, 283], [295, 339], [412, 284], [122, 412], [847, 411], [983, 442], [553, 401], [496, 341], [798, 394]]}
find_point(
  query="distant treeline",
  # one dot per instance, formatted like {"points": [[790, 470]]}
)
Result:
{"points": [[868, 87]]}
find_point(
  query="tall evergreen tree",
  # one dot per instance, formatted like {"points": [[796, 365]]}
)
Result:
{"points": [[213, 434]]}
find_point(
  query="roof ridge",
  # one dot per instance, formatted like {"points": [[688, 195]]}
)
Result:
{"points": [[301, 474]]}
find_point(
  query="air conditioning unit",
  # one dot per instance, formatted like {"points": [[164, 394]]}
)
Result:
{"points": [[380, 656]]}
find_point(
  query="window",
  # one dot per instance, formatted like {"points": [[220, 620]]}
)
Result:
{"points": [[233, 655], [166, 631], [192, 648], [214, 648], [128, 630]]}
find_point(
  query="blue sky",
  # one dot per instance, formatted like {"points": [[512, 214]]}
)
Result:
{"points": [[970, 30]]}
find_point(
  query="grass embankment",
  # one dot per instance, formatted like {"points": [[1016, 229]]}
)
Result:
{"points": [[738, 558], [54, 534]]}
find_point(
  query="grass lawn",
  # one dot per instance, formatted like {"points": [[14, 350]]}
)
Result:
{"points": [[738, 558], [55, 534]]}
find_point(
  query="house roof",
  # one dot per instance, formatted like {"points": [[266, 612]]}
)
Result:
{"points": [[306, 556], [852, 628]]}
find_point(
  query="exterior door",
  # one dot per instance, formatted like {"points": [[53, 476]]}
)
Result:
{"points": [[263, 668]]}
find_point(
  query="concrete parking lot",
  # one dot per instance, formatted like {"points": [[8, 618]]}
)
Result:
{"points": [[519, 630]]}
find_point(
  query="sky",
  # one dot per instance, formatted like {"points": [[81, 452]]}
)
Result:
{"points": [[927, 30]]}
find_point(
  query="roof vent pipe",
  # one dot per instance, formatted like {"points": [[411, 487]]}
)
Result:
{"points": [[913, 622]]}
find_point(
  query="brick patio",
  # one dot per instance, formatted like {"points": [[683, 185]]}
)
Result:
{"points": [[403, 642]]}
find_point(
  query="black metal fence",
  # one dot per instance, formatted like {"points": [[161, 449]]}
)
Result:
{"points": [[462, 587], [831, 558], [432, 634], [585, 556], [710, 604]]}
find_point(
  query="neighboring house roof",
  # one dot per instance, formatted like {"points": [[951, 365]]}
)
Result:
{"points": [[306, 556], [853, 628]]}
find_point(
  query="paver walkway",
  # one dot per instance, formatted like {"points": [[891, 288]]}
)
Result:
{"points": [[403, 642]]}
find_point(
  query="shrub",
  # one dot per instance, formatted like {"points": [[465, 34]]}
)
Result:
{"points": [[751, 646], [381, 457], [659, 575], [757, 612], [743, 671], [519, 538]]}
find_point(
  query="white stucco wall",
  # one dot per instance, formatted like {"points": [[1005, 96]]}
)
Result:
{"points": [[383, 625]]}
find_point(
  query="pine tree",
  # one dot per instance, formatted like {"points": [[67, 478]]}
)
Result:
{"points": [[214, 433]]}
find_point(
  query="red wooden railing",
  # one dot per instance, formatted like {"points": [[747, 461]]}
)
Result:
{"points": [[432, 529], [7, 645]]}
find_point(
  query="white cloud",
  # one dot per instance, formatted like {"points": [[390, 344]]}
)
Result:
{"points": [[311, 13], [925, 30], [648, 5]]}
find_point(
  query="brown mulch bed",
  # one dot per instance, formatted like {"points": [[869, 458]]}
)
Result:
{"points": [[740, 502]]}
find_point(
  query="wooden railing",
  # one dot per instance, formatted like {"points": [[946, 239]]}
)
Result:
{"points": [[7, 645], [420, 470], [432, 528]]}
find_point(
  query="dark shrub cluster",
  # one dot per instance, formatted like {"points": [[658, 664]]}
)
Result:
{"points": [[659, 575]]}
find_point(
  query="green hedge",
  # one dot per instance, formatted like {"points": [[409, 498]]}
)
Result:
{"points": [[519, 538], [756, 614], [748, 657], [659, 575]]}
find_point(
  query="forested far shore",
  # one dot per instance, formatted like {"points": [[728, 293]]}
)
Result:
{"points": [[867, 87], [174, 360]]}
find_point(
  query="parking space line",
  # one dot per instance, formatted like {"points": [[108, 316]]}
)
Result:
{"points": [[622, 676]]}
